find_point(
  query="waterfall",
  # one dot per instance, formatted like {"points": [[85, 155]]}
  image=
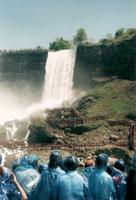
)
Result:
{"points": [[58, 78], [11, 130]]}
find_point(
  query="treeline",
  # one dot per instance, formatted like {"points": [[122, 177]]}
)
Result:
{"points": [[81, 38], [112, 56], [26, 50], [120, 35]]}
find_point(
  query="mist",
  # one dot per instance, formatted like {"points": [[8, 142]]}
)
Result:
{"points": [[12, 105]]}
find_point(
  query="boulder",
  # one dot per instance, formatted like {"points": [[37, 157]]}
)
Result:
{"points": [[40, 132], [113, 137]]}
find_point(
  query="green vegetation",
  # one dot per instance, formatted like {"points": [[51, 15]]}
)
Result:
{"points": [[116, 98], [38, 49], [120, 35], [82, 128], [59, 44], [113, 56], [80, 37], [131, 115]]}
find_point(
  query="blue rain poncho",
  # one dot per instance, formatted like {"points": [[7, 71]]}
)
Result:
{"points": [[87, 171], [72, 186], [101, 185], [42, 167], [120, 187], [131, 181], [119, 180], [27, 178], [27, 161], [7, 189], [45, 190]]}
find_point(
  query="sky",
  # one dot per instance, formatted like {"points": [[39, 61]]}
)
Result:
{"points": [[30, 23]]}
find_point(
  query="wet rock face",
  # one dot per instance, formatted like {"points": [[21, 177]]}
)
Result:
{"points": [[104, 60], [16, 129], [40, 133], [23, 72], [22, 129]]}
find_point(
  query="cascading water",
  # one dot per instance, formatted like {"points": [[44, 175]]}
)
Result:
{"points": [[11, 130], [58, 78], [57, 88]]}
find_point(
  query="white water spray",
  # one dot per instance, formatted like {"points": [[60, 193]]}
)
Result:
{"points": [[58, 78], [11, 130]]}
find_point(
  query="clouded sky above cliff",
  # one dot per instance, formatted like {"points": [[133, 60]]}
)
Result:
{"points": [[29, 23]]}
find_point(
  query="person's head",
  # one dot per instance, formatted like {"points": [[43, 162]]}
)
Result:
{"points": [[81, 166], [54, 159], [33, 160], [109, 169], [15, 164], [120, 164], [88, 162], [101, 161], [71, 163], [42, 167]]}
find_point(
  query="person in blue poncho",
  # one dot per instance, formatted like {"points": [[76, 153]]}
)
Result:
{"points": [[72, 186], [42, 167], [119, 179], [10, 189], [45, 190], [101, 185], [131, 181], [26, 161], [88, 167], [26, 172]]}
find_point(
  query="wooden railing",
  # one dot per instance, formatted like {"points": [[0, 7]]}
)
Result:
{"points": [[74, 121]]}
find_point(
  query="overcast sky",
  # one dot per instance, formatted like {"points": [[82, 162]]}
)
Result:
{"points": [[29, 23]]}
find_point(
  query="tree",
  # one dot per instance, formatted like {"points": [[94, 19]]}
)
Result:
{"points": [[109, 36], [81, 36], [119, 32], [39, 47], [131, 31], [105, 41], [59, 44]]}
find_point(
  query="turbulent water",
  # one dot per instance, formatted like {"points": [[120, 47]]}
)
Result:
{"points": [[58, 78]]}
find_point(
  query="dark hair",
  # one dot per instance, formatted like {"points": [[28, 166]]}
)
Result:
{"points": [[101, 161], [71, 163], [120, 164], [54, 159]]}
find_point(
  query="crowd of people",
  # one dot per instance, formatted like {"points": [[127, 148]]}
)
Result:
{"points": [[67, 179]]}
